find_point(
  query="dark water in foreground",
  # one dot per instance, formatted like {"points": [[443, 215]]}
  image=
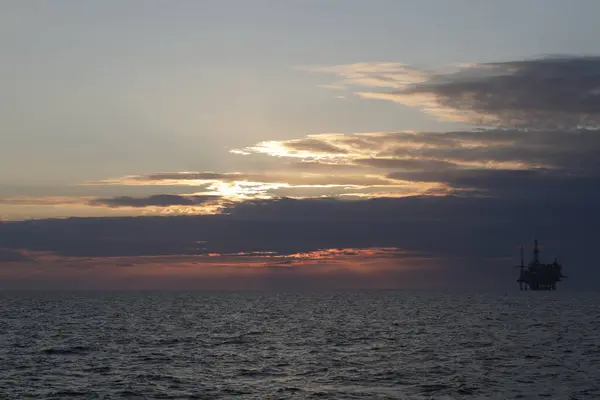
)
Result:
{"points": [[344, 345]]}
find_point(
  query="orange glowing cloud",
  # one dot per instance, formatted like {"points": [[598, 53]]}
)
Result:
{"points": [[150, 271]]}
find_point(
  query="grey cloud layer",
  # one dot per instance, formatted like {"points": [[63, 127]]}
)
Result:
{"points": [[7, 255], [468, 233], [557, 92]]}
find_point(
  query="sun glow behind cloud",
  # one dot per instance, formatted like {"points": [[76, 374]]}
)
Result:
{"points": [[214, 269], [350, 149]]}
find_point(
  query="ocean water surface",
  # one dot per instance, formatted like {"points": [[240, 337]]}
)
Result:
{"points": [[339, 345]]}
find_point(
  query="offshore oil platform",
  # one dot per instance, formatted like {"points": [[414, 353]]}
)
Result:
{"points": [[539, 276]]}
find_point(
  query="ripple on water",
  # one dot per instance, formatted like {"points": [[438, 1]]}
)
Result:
{"points": [[362, 345]]}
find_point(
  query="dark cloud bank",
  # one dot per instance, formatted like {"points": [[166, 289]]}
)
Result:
{"points": [[472, 236], [553, 92], [475, 233], [160, 200]]}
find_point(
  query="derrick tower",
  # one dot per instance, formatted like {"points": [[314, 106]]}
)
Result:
{"points": [[537, 275]]}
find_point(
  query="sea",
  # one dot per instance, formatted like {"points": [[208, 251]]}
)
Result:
{"points": [[299, 345]]}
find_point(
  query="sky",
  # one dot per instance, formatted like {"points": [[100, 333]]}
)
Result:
{"points": [[238, 144]]}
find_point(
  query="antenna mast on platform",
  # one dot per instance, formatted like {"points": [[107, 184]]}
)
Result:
{"points": [[522, 268]]}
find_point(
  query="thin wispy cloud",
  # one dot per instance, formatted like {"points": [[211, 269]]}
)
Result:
{"points": [[373, 74], [43, 200], [212, 179]]}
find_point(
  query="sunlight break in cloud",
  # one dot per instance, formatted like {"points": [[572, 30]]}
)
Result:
{"points": [[407, 150], [457, 161], [242, 186], [227, 182]]}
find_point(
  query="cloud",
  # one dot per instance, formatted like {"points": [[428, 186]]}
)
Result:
{"points": [[315, 146], [393, 164], [19, 207], [378, 164], [196, 176], [346, 208], [8, 256], [382, 145], [160, 200], [469, 240], [492, 148], [422, 156], [248, 270], [241, 186], [504, 163], [407, 164], [266, 178], [213, 179], [549, 93], [540, 185], [371, 74], [41, 200], [174, 274]]}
